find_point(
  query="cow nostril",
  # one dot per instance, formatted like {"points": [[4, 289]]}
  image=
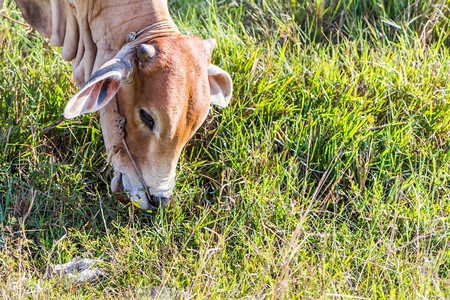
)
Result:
{"points": [[160, 201]]}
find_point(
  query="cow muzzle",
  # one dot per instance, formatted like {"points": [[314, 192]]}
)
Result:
{"points": [[139, 195]]}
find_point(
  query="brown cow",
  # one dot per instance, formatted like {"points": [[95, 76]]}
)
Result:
{"points": [[152, 85]]}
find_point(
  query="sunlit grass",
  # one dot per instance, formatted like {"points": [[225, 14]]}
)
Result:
{"points": [[328, 175]]}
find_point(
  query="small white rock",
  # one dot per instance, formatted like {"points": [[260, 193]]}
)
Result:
{"points": [[79, 270]]}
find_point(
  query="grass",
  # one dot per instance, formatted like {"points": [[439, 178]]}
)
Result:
{"points": [[327, 177]]}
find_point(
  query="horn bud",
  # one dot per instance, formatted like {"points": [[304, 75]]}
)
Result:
{"points": [[145, 53], [210, 44]]}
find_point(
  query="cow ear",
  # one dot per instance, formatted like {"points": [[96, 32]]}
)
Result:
{"points": [[220, 85], [98, 90]]}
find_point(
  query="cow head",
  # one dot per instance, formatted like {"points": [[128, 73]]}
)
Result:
{"points": [[164, 89]]}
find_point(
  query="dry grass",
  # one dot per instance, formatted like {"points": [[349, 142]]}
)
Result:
{"points": [[327, 177]]}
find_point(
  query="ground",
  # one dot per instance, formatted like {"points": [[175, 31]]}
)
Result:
{"points": [[327, 176]]}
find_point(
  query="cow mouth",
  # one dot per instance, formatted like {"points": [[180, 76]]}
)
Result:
{"points": [[139, 196]]}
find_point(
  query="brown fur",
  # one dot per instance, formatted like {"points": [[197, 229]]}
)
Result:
{"points": [[176, 87]]}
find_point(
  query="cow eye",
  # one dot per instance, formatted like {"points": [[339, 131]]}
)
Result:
{"points": [[147, 118]]}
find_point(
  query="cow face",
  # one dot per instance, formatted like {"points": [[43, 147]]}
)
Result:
{"points": [[163, 89]]}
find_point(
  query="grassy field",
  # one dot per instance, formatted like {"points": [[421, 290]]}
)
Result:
{"points": [[327, 177]]}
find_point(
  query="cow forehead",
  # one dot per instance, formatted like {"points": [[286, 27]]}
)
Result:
{"points": [[179, 72], [181, 51]]}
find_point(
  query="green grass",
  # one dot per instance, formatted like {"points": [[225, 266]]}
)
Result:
{"points": [[327, 177]]}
